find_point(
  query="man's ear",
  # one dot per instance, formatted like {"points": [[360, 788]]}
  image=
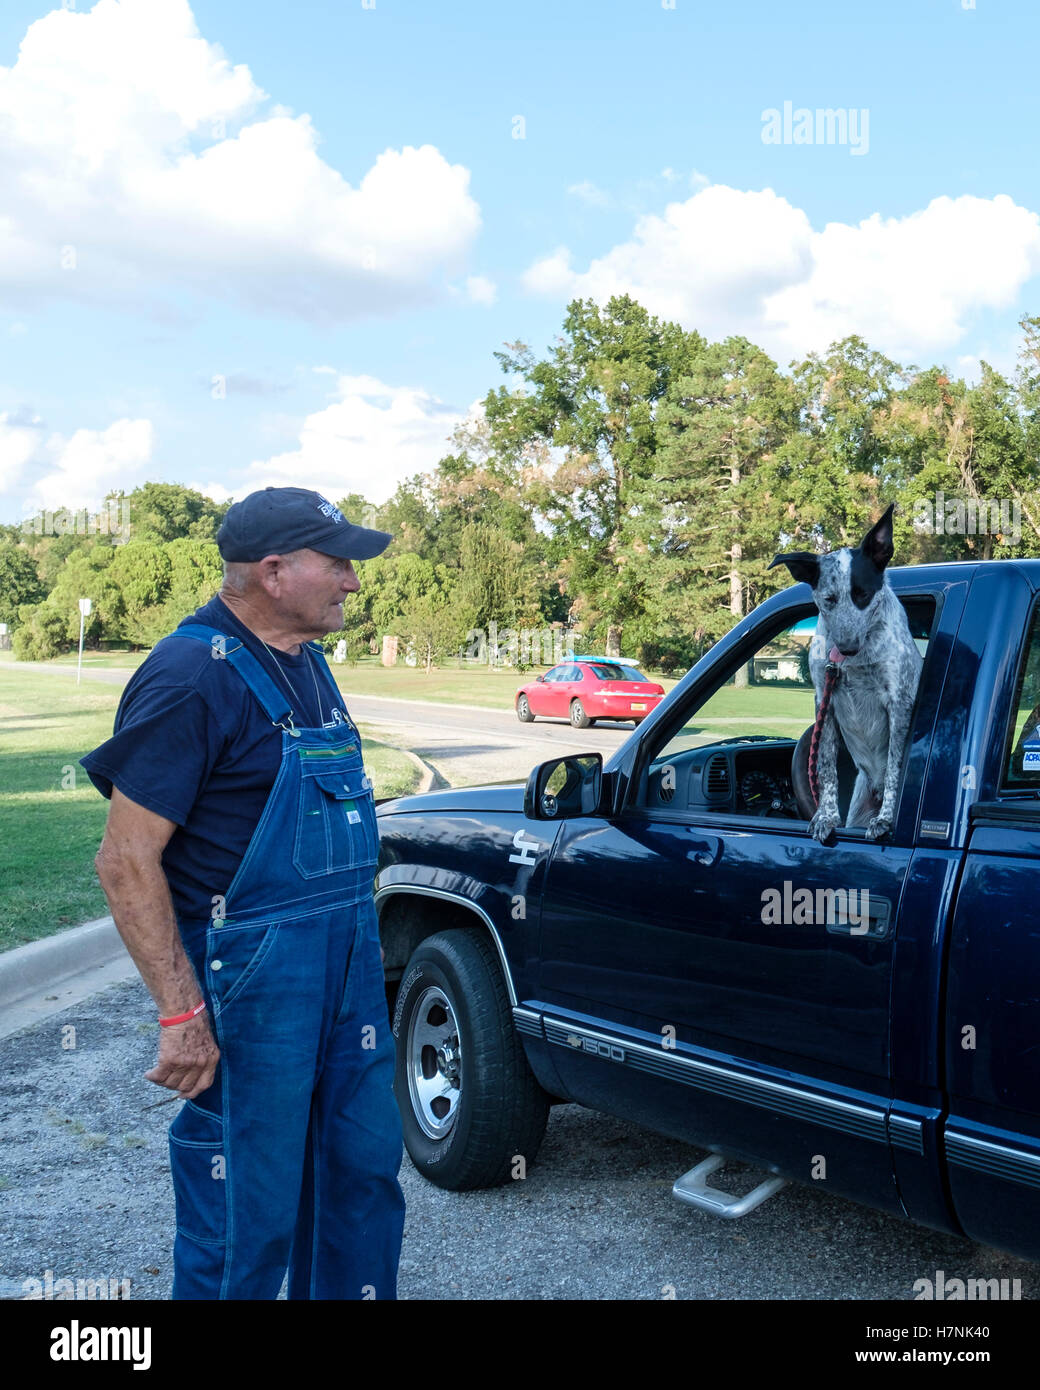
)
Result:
{"points": [[877, 545], [803, 564]]}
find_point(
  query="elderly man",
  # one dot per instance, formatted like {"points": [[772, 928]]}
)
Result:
{"points": [[238, 862]]}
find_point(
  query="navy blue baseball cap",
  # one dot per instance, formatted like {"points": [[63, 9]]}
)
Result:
{"points": [[282, 519]]}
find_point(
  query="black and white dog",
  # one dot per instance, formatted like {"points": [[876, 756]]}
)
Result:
{"points": [[863, 630]]}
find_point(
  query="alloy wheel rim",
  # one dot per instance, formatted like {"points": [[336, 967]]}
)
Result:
{"points": [[434, 1062]]}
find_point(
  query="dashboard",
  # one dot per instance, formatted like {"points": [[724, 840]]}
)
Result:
{"points": [[748, 776]]}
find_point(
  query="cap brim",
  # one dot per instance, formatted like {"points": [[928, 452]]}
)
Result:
{"points": [[353, 543]]}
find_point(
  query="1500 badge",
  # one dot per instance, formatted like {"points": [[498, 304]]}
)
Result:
{"points": [[610, 1051]]}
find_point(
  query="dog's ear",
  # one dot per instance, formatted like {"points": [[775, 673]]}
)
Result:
{"points": [[877, 545], [803, 564]]}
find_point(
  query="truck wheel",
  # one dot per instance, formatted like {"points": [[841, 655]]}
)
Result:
{"points": [[579, 718], [470, 1104], [523, 711]]}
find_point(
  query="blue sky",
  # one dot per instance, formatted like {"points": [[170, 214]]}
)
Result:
{"points": [[245, 242]]}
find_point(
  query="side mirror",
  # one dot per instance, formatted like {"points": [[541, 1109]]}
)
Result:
{"points": [[565, 787], [539, 678]]}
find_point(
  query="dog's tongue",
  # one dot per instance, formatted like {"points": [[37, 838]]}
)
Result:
{"points": [[836, 656]]}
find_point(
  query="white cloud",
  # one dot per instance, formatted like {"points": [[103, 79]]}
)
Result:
{"points": [[368, 440], [727, 261], [18, 443], [135, 156], [216, 492], [589, 193], [72, 471], [911, 283], [481, 290]]}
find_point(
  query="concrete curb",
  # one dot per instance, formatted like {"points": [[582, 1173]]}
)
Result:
{"points": [[430, 776], [39, 965]]}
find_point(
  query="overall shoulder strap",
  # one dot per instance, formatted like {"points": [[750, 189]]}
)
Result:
{"points": [[230, 649]]}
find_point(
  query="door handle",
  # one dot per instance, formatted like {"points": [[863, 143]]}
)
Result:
{"points": [[704, 850]]}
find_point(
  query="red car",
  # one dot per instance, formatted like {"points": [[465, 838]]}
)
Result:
{"points": [[587, 689]]}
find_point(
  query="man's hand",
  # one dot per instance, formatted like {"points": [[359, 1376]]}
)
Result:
{"points": [[188, 1058]]}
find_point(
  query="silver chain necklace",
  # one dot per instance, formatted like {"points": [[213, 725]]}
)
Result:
{"points": [[292, 689]]}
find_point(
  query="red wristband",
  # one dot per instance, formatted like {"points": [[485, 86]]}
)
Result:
{"points": [[183, 1018]]}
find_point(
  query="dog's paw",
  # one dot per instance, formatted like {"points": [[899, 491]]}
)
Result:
{"points": [[823, 825], [877, 827]]}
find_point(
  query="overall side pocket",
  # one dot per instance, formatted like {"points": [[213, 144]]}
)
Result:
{"points": [[197, 1164], [234, 957]]}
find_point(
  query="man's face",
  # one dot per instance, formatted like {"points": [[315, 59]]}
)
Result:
{"points": [[313, 587]]}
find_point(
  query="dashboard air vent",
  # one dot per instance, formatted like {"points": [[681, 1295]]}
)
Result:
{"points": [[716, 777]]}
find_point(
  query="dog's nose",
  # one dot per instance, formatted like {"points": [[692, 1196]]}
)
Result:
{"points": [[848, 651]]}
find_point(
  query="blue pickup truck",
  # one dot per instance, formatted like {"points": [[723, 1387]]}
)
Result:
{"points": [[660, 938]]}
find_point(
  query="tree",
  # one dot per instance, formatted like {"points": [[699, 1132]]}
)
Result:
{"points": [[19, 581], [169, 582], [958, 449], [834, 472], [162, 512], [431, 628], [594, 401], [494, 582], [710, 524], [86, 575], [42, 633]]}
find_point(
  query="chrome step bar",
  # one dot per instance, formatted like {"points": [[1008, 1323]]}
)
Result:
{"points": [[693, 1189]]}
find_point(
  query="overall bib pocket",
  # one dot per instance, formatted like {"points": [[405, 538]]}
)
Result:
{"points": [[336, 821]]}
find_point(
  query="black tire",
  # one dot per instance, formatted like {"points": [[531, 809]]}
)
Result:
{"points": [[579, 718], [523, 711], [453, 988]]}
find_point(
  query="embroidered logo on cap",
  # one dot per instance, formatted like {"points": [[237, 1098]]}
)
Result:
{"points": [[327, 509]]}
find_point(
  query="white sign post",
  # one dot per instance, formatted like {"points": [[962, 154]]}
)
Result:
{"points": [[84, 609]]}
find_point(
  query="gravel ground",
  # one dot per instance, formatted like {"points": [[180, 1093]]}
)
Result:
{"points": [[85, 1193]]}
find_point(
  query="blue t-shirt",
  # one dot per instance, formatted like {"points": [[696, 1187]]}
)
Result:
{"points": [[192, 743]]}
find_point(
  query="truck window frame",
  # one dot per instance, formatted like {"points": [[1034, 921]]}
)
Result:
{"points": [[1026, 786], [758, 636]]}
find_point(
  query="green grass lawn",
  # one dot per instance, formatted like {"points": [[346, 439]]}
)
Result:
{"points": [[52, 817], [757, 709]]}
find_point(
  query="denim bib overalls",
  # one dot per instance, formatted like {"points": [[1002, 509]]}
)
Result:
{"points": [[290, 1159]]}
